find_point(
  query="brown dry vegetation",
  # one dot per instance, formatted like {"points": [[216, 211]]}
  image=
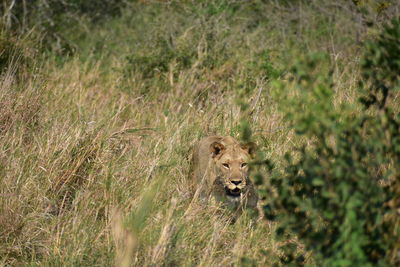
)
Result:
{"points": [[95, 146]]}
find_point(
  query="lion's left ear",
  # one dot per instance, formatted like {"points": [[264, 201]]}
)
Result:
{"points": [[251, 148]]}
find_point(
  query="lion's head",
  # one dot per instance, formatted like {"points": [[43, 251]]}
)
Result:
{"points": [[231, 165]]}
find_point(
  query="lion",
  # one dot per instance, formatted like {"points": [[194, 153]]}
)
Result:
{"points": [[220, 172]]}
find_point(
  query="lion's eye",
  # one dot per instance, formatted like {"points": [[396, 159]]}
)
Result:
{"points": [[244, 164], [226, 165]]}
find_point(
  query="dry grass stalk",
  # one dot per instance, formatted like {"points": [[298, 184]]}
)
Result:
{"points": [[124, 240], [160, 251]]}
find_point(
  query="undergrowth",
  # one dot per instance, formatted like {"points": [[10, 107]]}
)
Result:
{"points": [[101, 104]]}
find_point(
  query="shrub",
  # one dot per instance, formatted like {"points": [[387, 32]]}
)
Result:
{"points": [[53, 19], [339, 193]]}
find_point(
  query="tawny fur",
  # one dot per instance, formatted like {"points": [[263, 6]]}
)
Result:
{"points": [[220, 172]]}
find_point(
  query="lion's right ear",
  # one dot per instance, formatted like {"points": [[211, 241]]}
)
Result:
{"points": [[216, 148]]}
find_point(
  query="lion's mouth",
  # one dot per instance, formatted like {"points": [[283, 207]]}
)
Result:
{"points": [[233, 192]]}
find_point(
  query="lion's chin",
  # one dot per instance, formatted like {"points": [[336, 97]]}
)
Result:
{"points": [[233, 192]]}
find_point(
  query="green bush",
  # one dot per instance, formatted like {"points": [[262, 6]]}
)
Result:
{"points": [[339, 193], [9, 51], [17, 57], [23, 14], [53, 20]]}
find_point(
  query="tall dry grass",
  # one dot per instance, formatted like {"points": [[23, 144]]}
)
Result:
{"points": [[95, 147]]}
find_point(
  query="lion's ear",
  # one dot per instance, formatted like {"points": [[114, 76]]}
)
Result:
{"points": [[251, 148], [216, 148]]}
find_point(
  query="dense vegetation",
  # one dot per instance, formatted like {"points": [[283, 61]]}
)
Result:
{"points": [[341, 196], [101, 102]]}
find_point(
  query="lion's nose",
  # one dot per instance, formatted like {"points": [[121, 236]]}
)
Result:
{"points": [[236, 182]]}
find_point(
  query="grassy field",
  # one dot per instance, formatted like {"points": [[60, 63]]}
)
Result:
{"points": [[95, 141]]}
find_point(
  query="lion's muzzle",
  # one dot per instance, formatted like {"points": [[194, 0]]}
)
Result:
{"points": [[235, 187], [233, 192]]}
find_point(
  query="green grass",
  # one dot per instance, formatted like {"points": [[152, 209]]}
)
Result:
{"points": [[95, 146]]}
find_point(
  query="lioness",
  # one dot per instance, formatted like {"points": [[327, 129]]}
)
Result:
{"points": [[220, 171]]}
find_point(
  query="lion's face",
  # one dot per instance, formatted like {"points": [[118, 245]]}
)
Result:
{"points": [[231, 164]]}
